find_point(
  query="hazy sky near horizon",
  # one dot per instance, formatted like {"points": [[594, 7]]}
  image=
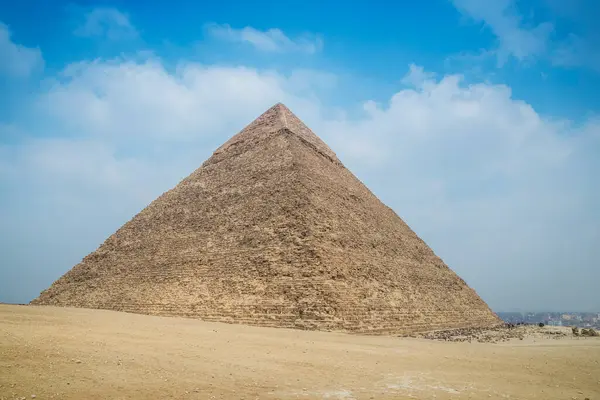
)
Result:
{"points": [[476, 121]]}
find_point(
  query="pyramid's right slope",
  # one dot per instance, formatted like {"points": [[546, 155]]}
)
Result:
{"points": [[273, 230]]}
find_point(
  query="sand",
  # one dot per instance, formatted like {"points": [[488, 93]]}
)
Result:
{"points": [[65, 353]]}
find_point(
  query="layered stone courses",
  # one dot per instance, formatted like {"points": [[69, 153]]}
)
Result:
{"points": [[273, 230]]}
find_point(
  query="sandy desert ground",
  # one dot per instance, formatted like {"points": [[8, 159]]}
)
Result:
{"points": [[54, 353]]}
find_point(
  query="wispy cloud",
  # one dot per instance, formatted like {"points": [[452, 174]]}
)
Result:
{"points": [[529, 42], [503, 19], [106, 22], [17, 60], [576, 51], [271, 40]]}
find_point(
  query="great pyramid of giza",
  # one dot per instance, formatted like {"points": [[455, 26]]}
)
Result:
{"points": [[273, 230]]}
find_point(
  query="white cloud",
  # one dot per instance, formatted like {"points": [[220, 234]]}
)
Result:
{"points": [[106, 22], [417, 77], [504, 195], [17, 60], [271, 40], [124, 100]]}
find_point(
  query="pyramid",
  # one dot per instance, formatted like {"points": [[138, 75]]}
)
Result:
{"points": [[273, 230]]}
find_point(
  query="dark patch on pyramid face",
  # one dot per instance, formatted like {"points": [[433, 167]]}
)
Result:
{"points": [[273, 230]]}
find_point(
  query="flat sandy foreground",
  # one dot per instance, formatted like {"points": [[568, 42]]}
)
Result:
{"points": [[89, 354]]}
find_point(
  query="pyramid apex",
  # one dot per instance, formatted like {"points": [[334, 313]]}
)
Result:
{"points": [[281, 110], [278, 117]]}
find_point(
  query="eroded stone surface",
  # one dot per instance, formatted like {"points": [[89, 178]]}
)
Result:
{"points": [[273, 230]]}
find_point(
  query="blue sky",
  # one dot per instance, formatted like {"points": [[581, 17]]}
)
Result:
{"points": [[476, 121]]}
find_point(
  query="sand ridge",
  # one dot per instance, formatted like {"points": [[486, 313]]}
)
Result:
{"points": [[66, 353]]}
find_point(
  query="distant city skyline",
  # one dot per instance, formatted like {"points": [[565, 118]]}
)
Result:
{"points": [[582, 320]]}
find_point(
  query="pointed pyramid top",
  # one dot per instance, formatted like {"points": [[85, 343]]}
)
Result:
{"points": [[280, 112], [274, 120]]}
